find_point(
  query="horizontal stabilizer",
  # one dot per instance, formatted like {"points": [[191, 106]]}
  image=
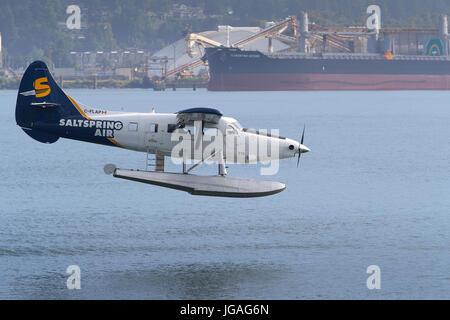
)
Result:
{"points": [[45, 104], [217, 186]]}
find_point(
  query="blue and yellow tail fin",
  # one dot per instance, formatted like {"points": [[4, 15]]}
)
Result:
{"points": [[41, 102]]}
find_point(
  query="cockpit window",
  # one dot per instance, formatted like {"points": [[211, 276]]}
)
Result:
{"points": [[210, 131], [231, 129], [237, 125]]}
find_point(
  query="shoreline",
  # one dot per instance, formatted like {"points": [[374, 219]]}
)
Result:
{"points": [[114, 83]]}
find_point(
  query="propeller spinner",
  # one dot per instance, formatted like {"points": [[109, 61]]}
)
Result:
{"points": [[302, 148]]}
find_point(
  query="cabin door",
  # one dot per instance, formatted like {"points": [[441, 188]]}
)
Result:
{"points": [[152, 137]]}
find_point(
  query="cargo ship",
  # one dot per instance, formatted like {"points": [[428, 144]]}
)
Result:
{"points": [[233, 69]]}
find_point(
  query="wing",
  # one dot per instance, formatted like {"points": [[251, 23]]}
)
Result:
{"points": [[206, 115]]}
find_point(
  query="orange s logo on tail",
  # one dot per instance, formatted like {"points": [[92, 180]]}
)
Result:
{"points": [[42, 90]]}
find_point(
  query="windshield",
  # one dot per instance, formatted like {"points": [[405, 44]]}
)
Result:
{"points": [[237, 125]]}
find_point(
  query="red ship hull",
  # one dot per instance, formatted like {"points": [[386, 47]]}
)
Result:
{"points": [[279, 82]]}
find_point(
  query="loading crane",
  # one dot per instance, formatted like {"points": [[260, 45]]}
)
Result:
{"points": [[184, 67], [193, 38], [271, 32], [332, 40]]}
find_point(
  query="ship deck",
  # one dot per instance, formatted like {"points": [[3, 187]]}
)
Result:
{"points": [[352, 56]]}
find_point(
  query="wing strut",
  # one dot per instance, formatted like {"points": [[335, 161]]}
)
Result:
{"points": [[222, 167], [199, 163]]}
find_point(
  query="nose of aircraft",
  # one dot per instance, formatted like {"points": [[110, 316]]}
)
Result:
{"points": [[297, 147], [303, 149]]}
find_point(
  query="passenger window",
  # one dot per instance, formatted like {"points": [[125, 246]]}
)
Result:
{"points": [[153, 127], [172, 127], [133, 126]]}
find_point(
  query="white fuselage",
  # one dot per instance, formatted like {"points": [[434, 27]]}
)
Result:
{"points": [[157, 133]]}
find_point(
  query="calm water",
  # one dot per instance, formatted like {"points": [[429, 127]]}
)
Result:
{"points": [[374, 190]]}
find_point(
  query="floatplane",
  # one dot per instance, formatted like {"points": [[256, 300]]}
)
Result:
{"points": [[193, 136]]}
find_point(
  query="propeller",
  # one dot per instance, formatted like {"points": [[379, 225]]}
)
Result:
{"points": [[301, 143]]}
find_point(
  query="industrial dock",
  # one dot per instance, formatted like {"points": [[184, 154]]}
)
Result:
{"points": [[292, 54]]}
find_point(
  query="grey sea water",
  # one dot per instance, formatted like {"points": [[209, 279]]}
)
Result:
{"points": [[374, 190]]}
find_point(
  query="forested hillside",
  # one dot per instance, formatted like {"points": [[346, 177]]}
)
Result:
{"points": [[36, 28]]}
